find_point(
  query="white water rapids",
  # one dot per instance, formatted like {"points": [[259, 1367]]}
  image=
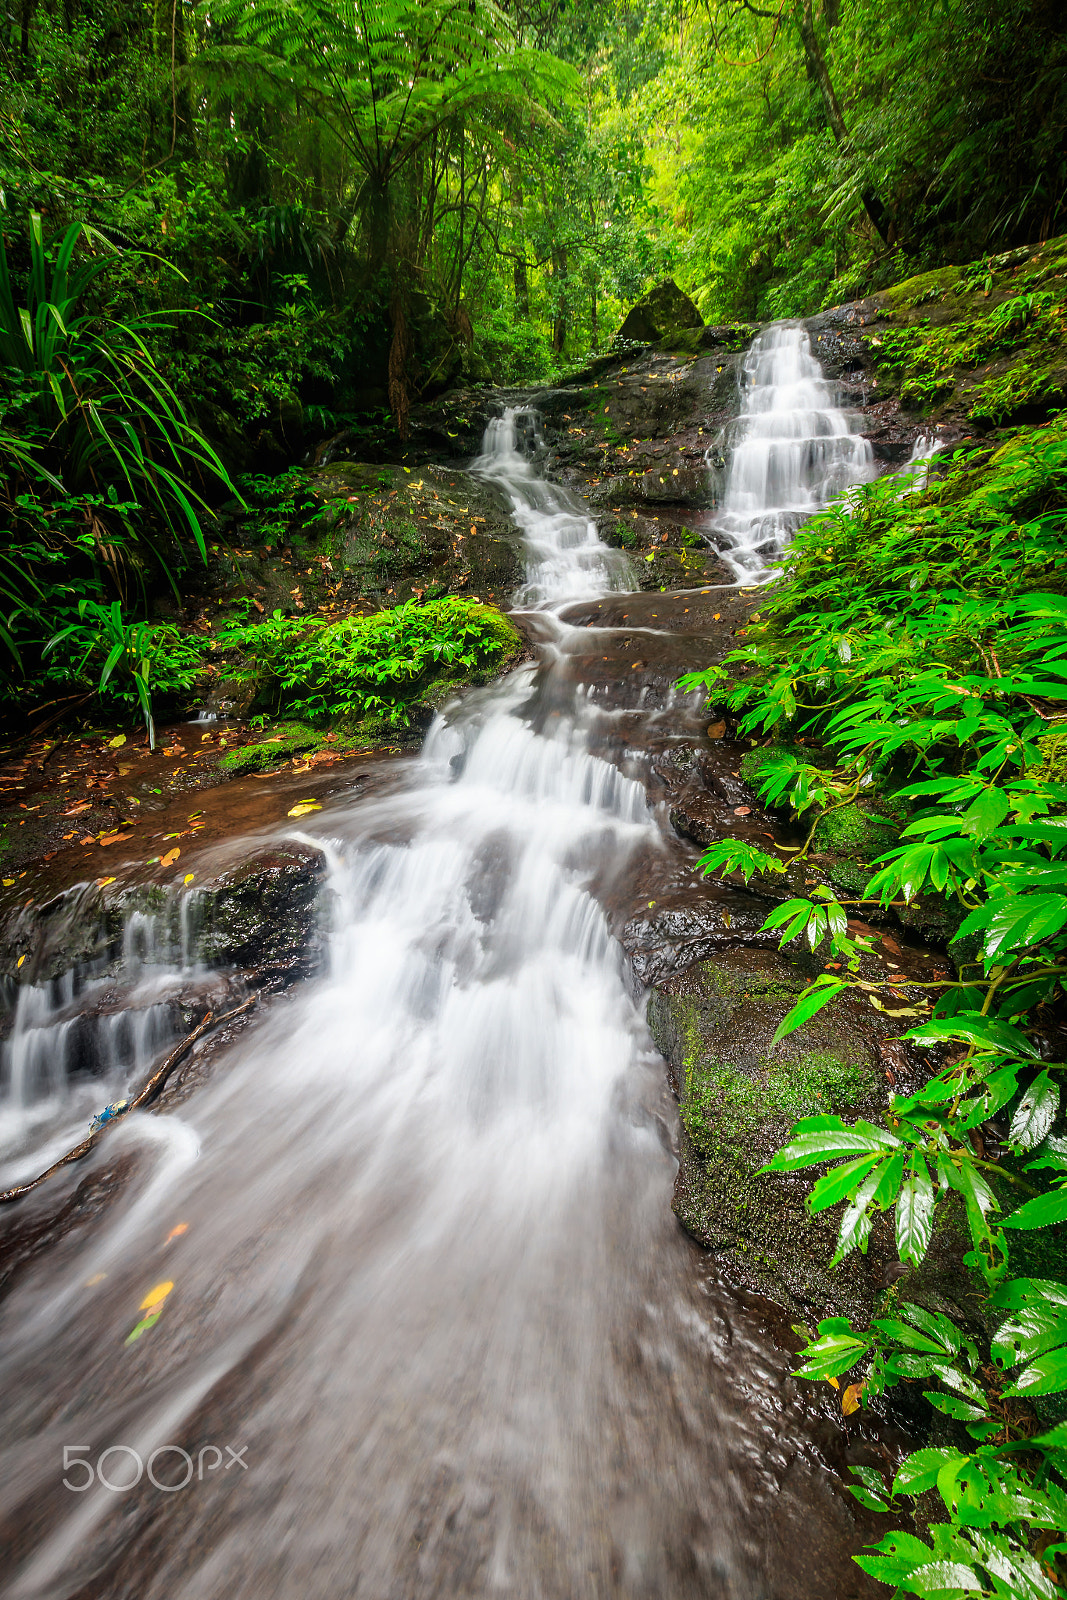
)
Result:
{"points": [[428, 1277]]}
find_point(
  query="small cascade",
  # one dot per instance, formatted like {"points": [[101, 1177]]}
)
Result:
{"points": [[564, 557], [85, 1037], [916, 470], [791, 450]]}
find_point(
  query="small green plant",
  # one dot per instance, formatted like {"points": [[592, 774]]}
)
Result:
{"points": [[136, 660], [86, 393]]}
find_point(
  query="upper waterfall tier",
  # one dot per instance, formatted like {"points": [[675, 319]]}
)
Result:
{"points": [[791, 450]]}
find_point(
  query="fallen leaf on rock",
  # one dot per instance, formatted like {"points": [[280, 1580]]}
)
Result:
{"points": [[189, 876], [850, 1400], [78, 807], [890, 944], [20, 960], [716, 730], [102, 883], [170, 858], [742, 811], [152, 1304], [304, 807], [905, 1011], [177, 1231], [114, 838], [117, 743]]}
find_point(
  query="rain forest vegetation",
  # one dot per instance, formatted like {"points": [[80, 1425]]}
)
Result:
{"points": [[919, 643], [229, 231]]}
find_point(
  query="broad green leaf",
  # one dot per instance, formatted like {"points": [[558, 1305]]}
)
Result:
{"points": [[1041, 1212], [1047, 1375], [969, 1028], [920, 1470], [1035, 1112], [915, 1212], [840, 1181], [806, 1007]]}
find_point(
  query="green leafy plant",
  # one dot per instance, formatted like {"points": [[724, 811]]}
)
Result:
{"points": [[374, 665], [136, 660]]}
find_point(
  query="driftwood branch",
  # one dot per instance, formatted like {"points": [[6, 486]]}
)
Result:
{"points": [[143, 1097]]}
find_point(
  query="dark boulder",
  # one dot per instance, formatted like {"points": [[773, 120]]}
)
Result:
{"points": [[659, 313]]}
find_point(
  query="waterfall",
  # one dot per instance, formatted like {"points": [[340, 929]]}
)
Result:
{"points": [[791, 450], [417, 1224]]}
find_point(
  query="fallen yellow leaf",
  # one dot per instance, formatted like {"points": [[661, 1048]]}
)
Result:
{"points": [[304, 807], [850, 1400], [117, 742], [189, 876], [155, 1296], [102, 883], [170, 858], [833, 1382], [20, 960]]}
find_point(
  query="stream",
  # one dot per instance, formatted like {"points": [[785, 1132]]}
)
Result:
{"points": [[433, 1330]]}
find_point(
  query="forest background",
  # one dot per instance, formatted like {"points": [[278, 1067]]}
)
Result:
{"points": [[230, 230]]}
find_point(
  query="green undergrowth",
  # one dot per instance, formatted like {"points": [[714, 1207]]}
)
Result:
{"points": [[921, 641], [1003, 311], [386, 666]]}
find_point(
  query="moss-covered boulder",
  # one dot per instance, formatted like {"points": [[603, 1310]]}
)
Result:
{"points": [[658, 314], [738, 1099]]}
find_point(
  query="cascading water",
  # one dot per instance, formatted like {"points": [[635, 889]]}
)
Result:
{"points": [[791, 450], [425, 1276]]}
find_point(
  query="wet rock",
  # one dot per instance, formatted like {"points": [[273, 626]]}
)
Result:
{"points": [[425, 533], [738, 1099], [681, 929], [262, 916], [259, 918]]}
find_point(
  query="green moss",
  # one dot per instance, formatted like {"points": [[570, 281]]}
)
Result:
{"points": [[753, 760], [921, 289], [851, 831], [721, 1103], [287, 740]]}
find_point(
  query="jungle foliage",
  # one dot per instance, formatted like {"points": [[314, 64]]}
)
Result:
{"points": [[227, 232], [920, 640]]}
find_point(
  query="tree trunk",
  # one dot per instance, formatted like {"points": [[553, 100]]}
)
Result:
{"points": [[819, 74], [522, 282], [560, 314]]}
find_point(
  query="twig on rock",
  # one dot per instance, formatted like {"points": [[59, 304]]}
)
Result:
{"points": [[144, 1097]]}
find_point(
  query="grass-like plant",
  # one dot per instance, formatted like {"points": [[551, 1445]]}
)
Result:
{"points": [[86, 411]]}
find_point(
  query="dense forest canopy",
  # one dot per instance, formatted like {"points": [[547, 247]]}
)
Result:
{"points": [[231, 229]]}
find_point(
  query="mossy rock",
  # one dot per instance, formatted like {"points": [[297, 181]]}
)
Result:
{"points": [[285, 740], [661, 314], [853, 832], [753, 760], [739, 1098]]}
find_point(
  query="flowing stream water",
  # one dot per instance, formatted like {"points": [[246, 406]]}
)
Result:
{"points": [[426, 1282]]}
